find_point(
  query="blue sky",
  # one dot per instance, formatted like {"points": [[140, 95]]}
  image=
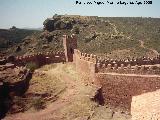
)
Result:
{"points": [[32, 13]]}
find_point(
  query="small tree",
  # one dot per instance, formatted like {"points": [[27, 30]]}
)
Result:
{"points": [[13, 28], [39, 104], [76, 29]]}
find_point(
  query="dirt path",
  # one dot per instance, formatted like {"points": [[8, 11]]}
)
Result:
{"points": [[133, 75], [153, 50], [48, 113], [114, 27]]}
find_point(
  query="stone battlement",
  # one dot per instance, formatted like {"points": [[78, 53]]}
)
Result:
{"points": [[48, 54], [132, 62], [41, 58], [137, 69], [129, 66], [85, 56]]}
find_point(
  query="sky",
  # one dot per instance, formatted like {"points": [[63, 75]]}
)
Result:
{"points": [[32, 13]]}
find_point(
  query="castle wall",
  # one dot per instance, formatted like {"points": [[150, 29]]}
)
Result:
{"points": [[41, 59], [146, 106], [131, 62], [123, 69], [119, 80], [69, 43], [129, 66], [85, 64], [118, 89]]}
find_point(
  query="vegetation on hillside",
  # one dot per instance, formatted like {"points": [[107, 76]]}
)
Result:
{"points": [[113, 37], [12, 37]]}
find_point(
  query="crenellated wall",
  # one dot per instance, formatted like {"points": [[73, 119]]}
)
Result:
{"points": [[84, 56], [133, 66], [137, 69], [85, 64], [132, 62], [41, 58], [129, 66], [119, 83]]}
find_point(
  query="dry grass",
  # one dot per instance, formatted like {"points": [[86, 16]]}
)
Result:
{"points": [[42, 84], [44, 89], [74, 102], [48, 67], [82, 108]]}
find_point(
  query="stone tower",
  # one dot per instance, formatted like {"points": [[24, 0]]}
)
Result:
{"points": [[69, 43]]}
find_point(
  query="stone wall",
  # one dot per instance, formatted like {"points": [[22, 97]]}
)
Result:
{"points": [[85, 64], [41, 58], [119, 81], [137, 69], [69, 43], [118, 89], [132, 62], [129, 66], [146, 106]]}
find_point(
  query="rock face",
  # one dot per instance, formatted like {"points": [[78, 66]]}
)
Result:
{"points": [[3, 61], [10, 59], [14, 81], [57, 23]]}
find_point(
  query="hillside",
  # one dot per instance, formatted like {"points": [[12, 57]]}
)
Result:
{"points": [[12, 37], [103, 36]]}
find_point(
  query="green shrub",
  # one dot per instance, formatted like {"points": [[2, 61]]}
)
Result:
{"points": [[76, 30], [32, 66], [39, 104]]}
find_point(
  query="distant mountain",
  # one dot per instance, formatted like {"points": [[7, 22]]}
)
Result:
{"points": [[13, 36], [27, 28]]}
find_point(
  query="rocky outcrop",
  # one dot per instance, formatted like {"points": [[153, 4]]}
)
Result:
{"points": [[57, 23], [3, 61], [14, 81], [4, 99], [10, 59]]}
